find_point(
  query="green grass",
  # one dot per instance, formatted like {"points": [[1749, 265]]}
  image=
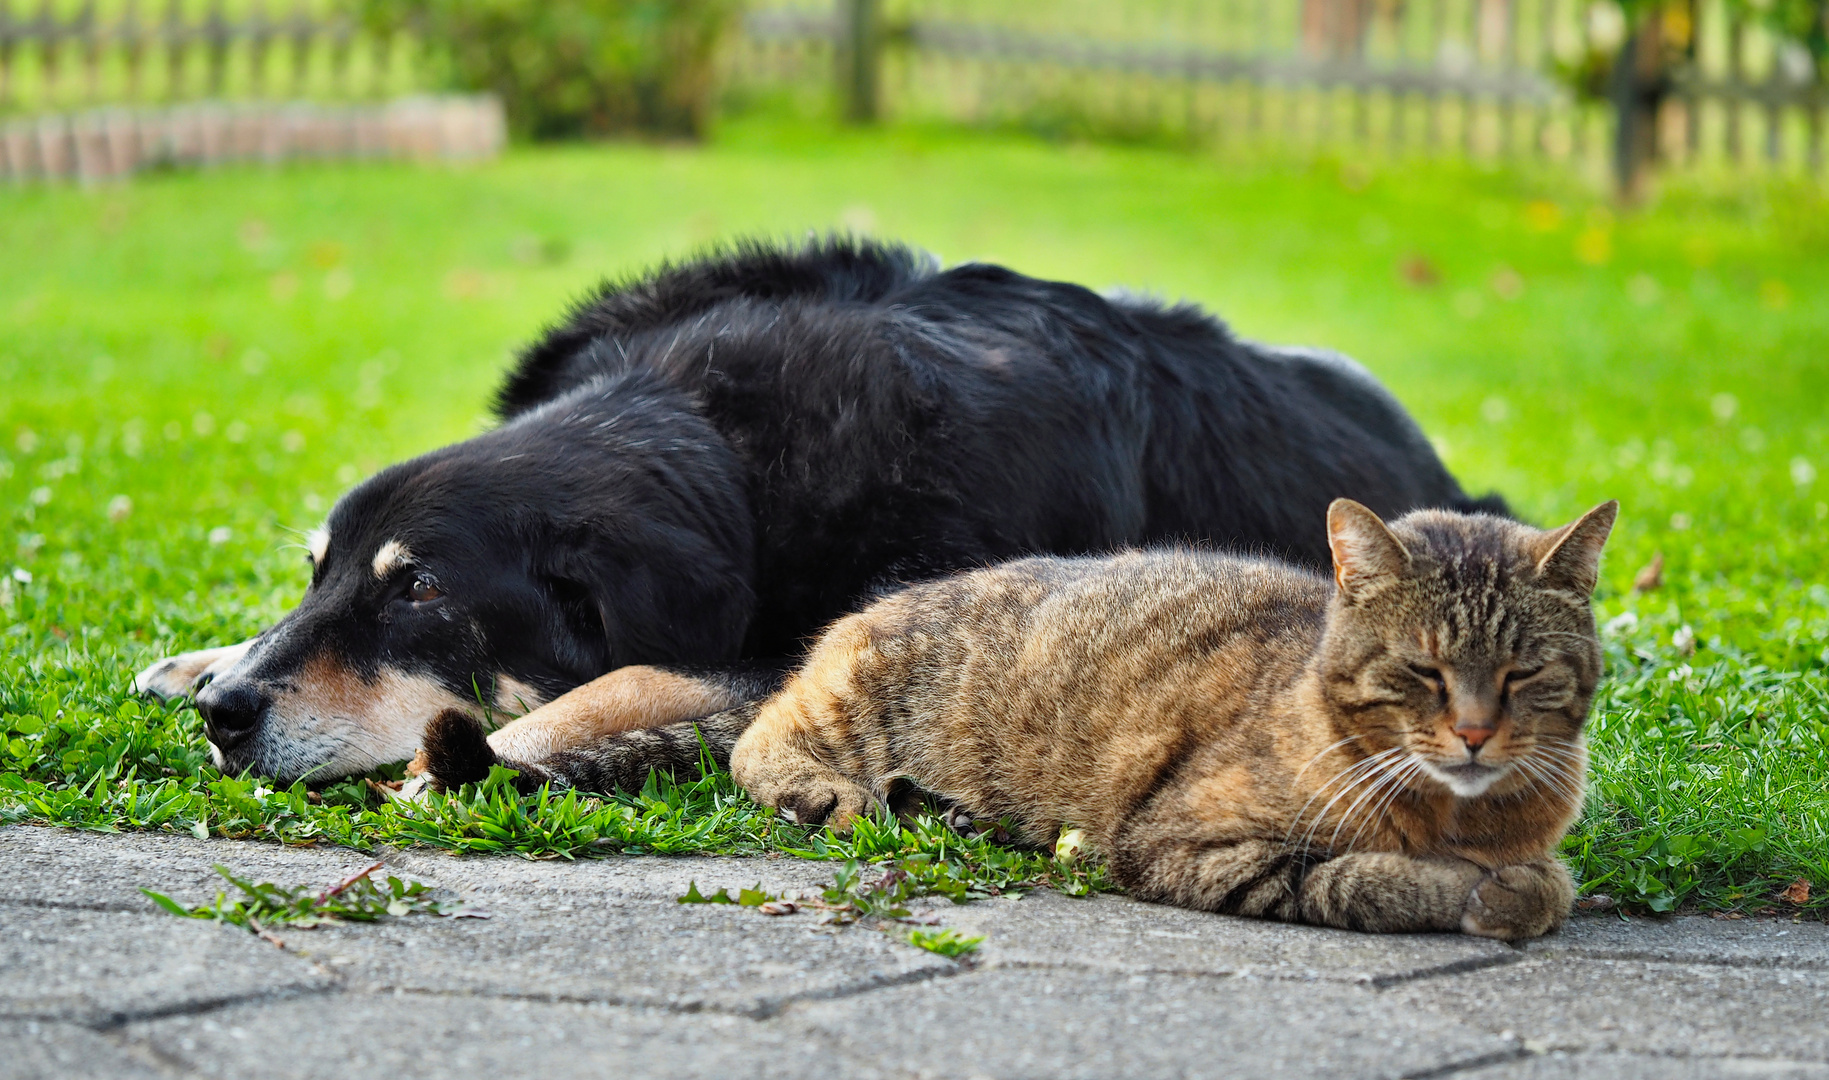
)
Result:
{"points": [[196, 365]]}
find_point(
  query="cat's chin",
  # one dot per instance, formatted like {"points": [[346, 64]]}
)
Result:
{"points": [[1469, 780]]}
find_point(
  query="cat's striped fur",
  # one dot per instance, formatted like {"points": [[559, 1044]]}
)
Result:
{"points": [[1396, 749]]}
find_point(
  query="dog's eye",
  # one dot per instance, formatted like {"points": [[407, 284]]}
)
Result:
{"points": [[423, 590]]}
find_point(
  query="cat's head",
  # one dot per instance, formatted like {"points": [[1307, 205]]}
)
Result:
{"points": [[1465, 644]]}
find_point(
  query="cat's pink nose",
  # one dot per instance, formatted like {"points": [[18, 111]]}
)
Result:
{"points": [[1474, 737]]}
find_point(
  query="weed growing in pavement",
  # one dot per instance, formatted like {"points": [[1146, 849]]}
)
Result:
{"points": [[357, 898]]}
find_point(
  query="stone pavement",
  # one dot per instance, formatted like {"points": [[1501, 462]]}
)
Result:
{"points": [[593, 969]]}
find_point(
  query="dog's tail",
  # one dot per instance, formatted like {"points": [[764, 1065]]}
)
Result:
{"points": [[457, 753]]}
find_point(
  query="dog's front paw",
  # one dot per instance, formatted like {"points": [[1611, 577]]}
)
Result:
{"points": [[1515, 902], [187, 673], [456, 752]]}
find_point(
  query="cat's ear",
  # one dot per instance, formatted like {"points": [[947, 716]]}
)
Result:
{"points": [[1570, 556], [1364, 549]]}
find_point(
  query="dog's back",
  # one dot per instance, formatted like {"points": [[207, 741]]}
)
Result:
{"points": [[899, 421]]}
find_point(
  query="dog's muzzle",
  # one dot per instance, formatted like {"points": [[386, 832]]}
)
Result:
{"points": [[232, 713]]}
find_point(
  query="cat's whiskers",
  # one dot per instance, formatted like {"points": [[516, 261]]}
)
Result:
{"points": [[1358, 771], [1382, 810], [1554, 777], [1393, 781], [1571, 759], [1324, 752], [1365, 769]]}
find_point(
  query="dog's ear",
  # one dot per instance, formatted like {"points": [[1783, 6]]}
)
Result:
{"points": [[667, 596]]}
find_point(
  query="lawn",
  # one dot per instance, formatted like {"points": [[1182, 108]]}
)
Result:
{"points": [[196, 365]]}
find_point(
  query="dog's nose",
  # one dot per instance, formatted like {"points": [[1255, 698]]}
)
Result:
{"points": [[231, 713]]}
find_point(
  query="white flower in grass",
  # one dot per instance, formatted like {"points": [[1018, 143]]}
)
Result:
{"points": [[22, 575], [221, 534], [292, 442], [40, 496], [1623, 623], [236, 432], [1803, 474], [1684, 640], [203, 424], [119, 507], [1724, 406], [1679, 521]]}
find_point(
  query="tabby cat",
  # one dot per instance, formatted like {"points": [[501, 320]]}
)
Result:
{"points": [[1399, 749]]}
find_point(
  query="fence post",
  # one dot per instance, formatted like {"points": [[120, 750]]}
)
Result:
{"points": [[860, 50], [1637, 87]]}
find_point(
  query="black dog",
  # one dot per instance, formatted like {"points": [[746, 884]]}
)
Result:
{"points": [[703, 467]]}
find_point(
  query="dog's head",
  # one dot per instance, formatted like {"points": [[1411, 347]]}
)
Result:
{"points": [[608, 528]]}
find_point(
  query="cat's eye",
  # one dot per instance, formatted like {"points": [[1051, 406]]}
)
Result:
{"points": [[1518, 675], [1432, 676], [423, 590]]}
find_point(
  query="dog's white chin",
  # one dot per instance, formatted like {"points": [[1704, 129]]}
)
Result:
{"points": [[1466, 785]]}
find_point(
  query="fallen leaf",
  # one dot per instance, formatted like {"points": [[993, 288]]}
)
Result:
{"points": [[1651, 575], [1419, 271], [1798, 892], [778, 907]]}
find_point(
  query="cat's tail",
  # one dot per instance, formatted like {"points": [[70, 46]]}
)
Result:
{"points": [[457, 753]]}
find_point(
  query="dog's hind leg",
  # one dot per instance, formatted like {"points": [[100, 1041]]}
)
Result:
{"points": [[629, 701], [188, 672]]}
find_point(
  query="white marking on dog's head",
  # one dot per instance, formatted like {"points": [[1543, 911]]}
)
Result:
{"points": [[392, 556], [317, 542]]}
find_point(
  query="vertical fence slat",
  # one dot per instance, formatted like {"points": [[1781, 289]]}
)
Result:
{"points": [[1736, 83], [9, 37], [1774, 103]]}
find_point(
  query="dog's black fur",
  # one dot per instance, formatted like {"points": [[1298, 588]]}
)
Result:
{"points": [[707, 465]]}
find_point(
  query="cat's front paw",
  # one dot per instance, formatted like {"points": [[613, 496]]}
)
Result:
{"points": [[821, 801], [1514, 902]]}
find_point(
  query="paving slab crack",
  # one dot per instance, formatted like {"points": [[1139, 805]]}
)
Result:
{"points": [[110, 906], [759, 1011], [1457, 967], [104, 1022], [1498, 1057]]}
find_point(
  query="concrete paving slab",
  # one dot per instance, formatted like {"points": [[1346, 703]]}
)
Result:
{"points": [[1013, 1023], [385, 1037], [655, 953], [1694, 939], [38, 1050], [647, 877], [100, 967], [1704, 1010], [1562, 1066], [1114, 933], [105, 871]]}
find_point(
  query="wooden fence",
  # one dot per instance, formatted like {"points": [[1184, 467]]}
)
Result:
{"points": [[97, 90], [1563, 79], [1696, 84], [58, 55], [107, 143]]}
